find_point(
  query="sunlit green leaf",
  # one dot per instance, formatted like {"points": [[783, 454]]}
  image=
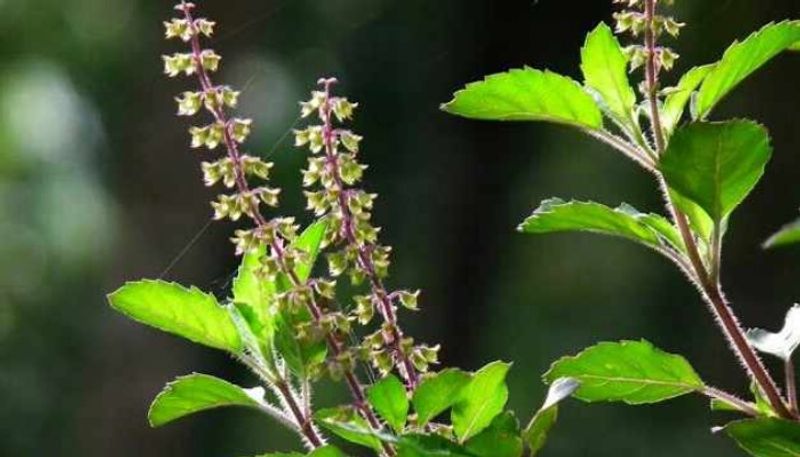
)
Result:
{"points": [[781, 344], [437, 393], [256, 336], [348, 425], [310, 241], [699, 221], [742, 59], [389, 399], [788, 234], [198, 392], [633, 372], [480, 401], [501, 439], [679, 96], [282, 454], [556, 215], [251, 288], [325, 451], [766, 437], [418, 445], [299, 355], [716, 165], [605, 71], [527, 95], [189, 313], [535, 434]]}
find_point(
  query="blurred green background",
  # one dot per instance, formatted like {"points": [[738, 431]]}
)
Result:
{"points": [[98, 186]]}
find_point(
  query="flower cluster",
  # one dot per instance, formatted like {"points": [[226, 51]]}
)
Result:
{"points": [[639, 18], [306, 304], [333, 171], [234, 168]]}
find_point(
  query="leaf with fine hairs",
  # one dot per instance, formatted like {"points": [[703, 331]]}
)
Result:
{"points": [[389, 399], [527, 95], [189, 313], [716, 164], [742, 59], [437, 392], [480, 401], [199, 392], [787, 235], [678, 97], [632, 372], [605, 71], [535, 434], [556, 215], [766, 437]]}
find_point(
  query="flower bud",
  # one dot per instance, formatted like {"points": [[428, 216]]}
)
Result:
{"points": [[179, 63], [189, 103], [178, 28]]}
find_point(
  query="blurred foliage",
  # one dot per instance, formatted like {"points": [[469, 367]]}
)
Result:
{"points": [[96, 187]]}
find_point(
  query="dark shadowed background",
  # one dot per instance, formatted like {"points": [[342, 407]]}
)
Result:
{"points": [[98, 186]]}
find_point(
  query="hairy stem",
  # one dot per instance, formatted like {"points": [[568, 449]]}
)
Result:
{"points": [[651, 75], [742, 405], [791, 385], [623, 146], [706, 280], [355, 386]]}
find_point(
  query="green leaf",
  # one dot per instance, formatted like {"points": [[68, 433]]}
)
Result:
{"points": [[605, 71], [742, 59], [189, 313], [556, 215], [789, 234], [282, 454], [199, 392], [717, 404], [310, 241], [766, 437], [300, 355], [535, 434], [348, 425], [388, 397], [501, 439], [633, 372], [437, 393], [716, 165], [254, 334], [417, 445], [699, 220], [480, 401], [679, 96], [250, 288], [781, 344], [527, 95], [325, 451]]}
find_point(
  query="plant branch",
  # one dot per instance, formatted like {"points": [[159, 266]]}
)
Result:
{"points": [[742, 405], [725, 316], [651, 75], [623, 146], [355, 386], [706, 280], [394, 336]]}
